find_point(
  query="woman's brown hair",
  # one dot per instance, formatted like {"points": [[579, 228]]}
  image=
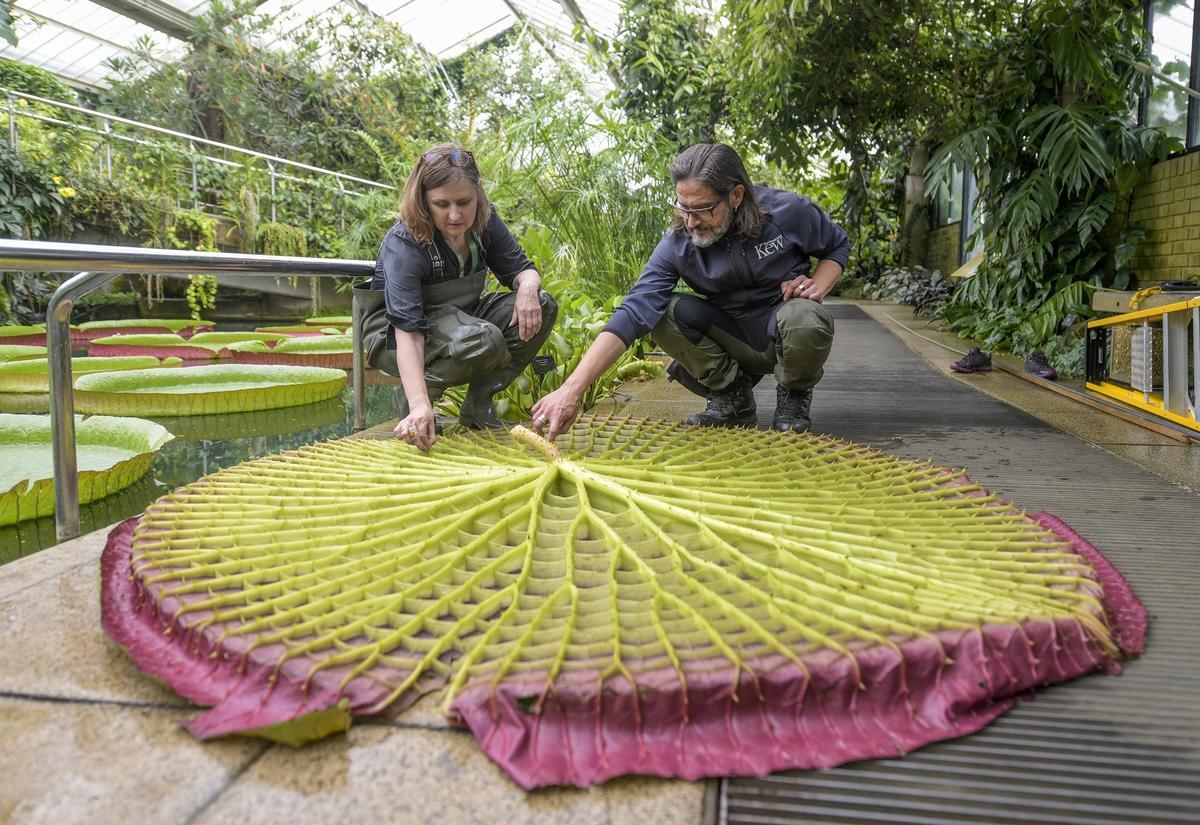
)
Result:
{"points": [[720, 168], [442, 165]]}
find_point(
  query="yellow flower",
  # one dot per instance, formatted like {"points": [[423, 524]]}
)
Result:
{"points": [[67, 192], [57, 179]]}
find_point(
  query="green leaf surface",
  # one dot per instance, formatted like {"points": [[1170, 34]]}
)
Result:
{"points": [[34, 376], [20, 352], [641, 546], [223, 339], [111, 453], [206, 390], [172, 324]]}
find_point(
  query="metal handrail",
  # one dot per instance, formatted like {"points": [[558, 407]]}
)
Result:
{"points": [[149, 127], [97, 265]]}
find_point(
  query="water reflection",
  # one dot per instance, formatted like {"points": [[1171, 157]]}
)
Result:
{"points": [[205, 444]]}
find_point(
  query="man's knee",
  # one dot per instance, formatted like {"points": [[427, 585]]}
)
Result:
{"points": [[803, 324]]}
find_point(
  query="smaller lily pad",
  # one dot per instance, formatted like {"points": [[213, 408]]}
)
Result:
{"points": [[292, 331], [335, 351], [223, 339], [20, 352], [31, 335], [206, 390], [92, 330], [342, 321], [34, 376], [111, 453], [160, 346]]}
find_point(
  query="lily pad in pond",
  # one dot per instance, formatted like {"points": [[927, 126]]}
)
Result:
{"points": [[205, 390], [111, 453]]}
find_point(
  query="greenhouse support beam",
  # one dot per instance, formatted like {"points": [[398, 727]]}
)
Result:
{"points": [[156, 14], [576, 14], [96, 265]]}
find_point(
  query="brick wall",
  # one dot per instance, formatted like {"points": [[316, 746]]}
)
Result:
{"points": [[1168, 203], [942, 249]]}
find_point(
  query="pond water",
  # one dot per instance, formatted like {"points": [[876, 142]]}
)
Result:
{"points": [[203, 445]]}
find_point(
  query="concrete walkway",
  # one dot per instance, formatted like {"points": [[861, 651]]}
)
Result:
{"points": [[86, 738]]}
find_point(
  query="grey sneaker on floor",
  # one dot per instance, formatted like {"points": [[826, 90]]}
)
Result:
{"points": [[1037, 364], [976, 360]]}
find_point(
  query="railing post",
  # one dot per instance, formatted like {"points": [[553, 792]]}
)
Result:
{"points": [[12, 122], [271, 175], [360, 401], [195, 176], [107, 150], [62, 399]]}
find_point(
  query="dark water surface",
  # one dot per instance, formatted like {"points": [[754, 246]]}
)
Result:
{"points": [[202, 445]]}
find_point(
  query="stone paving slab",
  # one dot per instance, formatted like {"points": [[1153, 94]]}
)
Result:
{"points": [[399, 775], [63, 763]]}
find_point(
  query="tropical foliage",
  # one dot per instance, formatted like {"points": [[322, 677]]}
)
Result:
{"points": [[1057, 158], [1033, 98]]}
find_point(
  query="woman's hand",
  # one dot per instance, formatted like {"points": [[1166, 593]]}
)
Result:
{"points": [[417, 428], [527, 314], [559, 410]]}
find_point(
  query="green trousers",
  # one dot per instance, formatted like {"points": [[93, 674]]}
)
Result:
{"points": [[469, 340], [790, 340]]}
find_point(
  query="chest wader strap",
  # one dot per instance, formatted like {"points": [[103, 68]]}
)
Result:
{"points": [[459, 293]]}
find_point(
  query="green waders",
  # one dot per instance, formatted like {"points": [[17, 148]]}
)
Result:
{"points": [[469, 342]]}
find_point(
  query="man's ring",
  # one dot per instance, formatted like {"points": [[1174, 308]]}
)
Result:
{"points": [[539, 421]]}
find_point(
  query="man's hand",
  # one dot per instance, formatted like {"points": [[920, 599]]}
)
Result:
{"points": [[804, 287], [527, 313], [417, 428], [559, 410]]}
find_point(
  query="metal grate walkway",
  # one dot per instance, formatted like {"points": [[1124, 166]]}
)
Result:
{"points": [[1102, 749]]}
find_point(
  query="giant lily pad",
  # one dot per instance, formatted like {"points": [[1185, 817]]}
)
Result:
{"points": [[206, 390], [111, 453], [92, 330], [654, 599], [20, 352], [34, 376], [158, 345], [335, 351]]}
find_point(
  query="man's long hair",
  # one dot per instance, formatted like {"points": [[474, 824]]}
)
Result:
{"points": [[434, 170], [720, 168]]}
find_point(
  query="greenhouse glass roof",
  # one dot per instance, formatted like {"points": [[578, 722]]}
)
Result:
{"points": [[74, 38]]}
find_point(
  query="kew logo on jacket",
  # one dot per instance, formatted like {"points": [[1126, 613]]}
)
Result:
{"points": [[769, 247]]}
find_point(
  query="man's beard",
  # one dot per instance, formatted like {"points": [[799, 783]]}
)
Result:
{"points": [[715, 235]]}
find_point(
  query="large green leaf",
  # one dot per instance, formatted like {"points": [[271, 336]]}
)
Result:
{"points": [[651, 598], [160, 345], [206, 390], [111, 453]]}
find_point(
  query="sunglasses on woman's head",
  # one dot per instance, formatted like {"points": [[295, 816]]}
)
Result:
{"points": [[455, 157]]}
